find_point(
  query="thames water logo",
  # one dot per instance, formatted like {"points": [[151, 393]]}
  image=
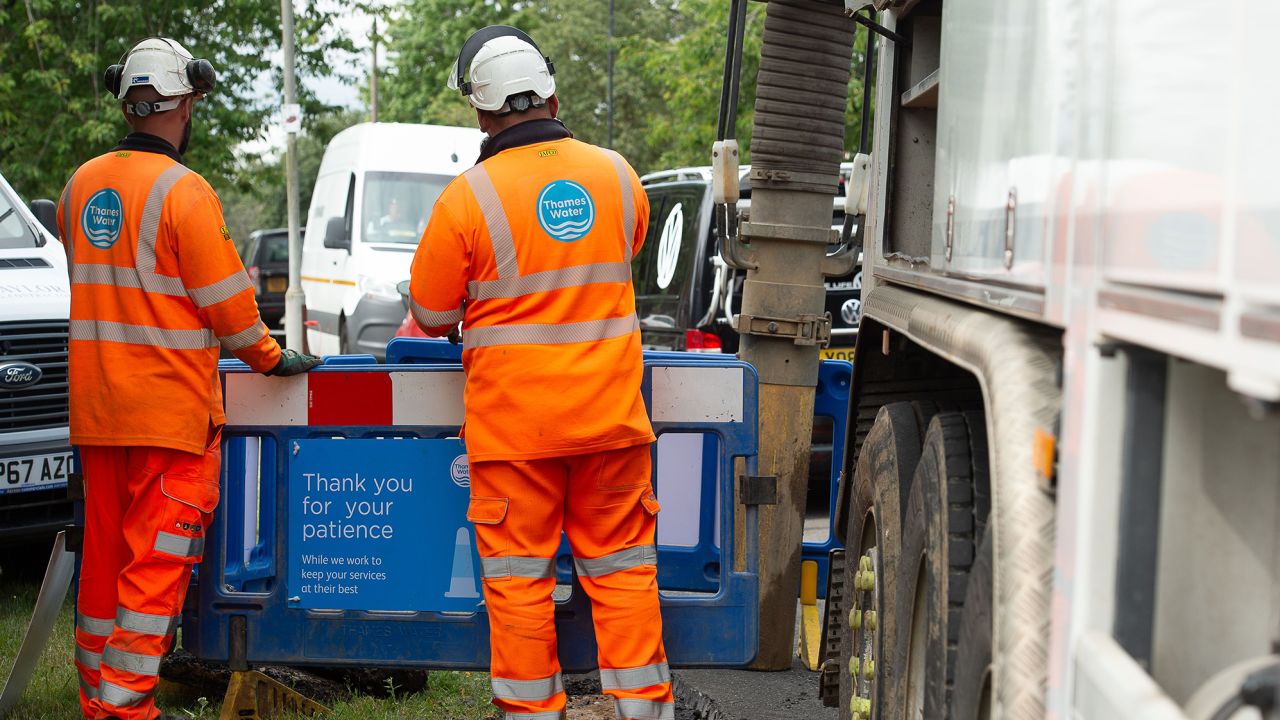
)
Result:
{"points": [[17, 375], [460, 471], [565, 210], [102, 218]]}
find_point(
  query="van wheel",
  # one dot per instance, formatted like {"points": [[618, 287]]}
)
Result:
{"points": [[869, 678], [945, 516], [344, 344]]}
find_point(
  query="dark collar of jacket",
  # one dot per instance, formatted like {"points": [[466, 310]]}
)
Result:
{"points": [[144, 142], [529, 132]]}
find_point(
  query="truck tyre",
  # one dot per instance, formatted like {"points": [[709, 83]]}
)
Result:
{"points": [[943, 523], [971, 696], [869, 687]]}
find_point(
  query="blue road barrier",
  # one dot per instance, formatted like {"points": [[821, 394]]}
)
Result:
{"points": [[342, 538]]}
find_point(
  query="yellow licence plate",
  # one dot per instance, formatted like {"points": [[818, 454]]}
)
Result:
{"points": [[837, 354], [276, 284]]}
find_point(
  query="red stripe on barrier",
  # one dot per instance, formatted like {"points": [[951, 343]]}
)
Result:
{"points": [[357, 398]]}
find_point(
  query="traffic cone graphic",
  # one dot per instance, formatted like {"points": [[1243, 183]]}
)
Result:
{"points": [[463, 582]]}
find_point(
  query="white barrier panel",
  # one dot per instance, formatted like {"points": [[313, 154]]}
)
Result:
{"points": [[696, 394]]}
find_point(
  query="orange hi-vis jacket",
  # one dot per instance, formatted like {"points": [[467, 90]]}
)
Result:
{"points": [[538, 240], [156, 285]]}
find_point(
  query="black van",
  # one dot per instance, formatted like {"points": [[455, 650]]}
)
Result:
{"points": [[680, 281], [266, 259]]}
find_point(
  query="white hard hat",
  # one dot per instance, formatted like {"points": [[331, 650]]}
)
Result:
{"points": [[163, 64], [498, 62]]}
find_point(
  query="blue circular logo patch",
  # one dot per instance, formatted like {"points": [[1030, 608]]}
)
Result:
{"points": [[102, 218], [565, 210]]}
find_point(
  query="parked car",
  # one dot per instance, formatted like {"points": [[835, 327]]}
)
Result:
{"points": [[685, 296], [35, 303], [266, 258], [377, 185]]}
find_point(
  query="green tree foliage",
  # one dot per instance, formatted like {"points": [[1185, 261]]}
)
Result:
{"points": [[669, 60], [255, 197], [55, 112]]}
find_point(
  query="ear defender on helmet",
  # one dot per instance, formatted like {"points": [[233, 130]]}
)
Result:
{"points": [[112, 78], [201, 75]]}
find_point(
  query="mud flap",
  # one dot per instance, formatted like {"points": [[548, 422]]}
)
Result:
{"points": [[57, 579]]}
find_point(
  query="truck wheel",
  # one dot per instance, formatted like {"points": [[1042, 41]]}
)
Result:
{"points": [[971, 696], [945, 516], [869, 685]]}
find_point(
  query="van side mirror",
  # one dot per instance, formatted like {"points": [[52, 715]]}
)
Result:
{"points": [[402, 287], [47, 213], [335, 234]]}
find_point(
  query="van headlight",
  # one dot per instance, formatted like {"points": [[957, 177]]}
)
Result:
{"points": [[377, 289]]}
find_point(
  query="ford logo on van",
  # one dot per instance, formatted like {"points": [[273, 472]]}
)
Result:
{"points": [[17, 375]]}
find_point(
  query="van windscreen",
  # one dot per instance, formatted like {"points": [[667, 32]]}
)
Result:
{"points": [[14, 230], [397, 205]]}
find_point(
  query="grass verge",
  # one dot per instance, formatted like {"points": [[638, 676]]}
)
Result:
{"points": [[52, 694]]}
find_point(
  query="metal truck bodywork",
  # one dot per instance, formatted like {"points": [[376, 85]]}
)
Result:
{"points": [[1095, 181]]}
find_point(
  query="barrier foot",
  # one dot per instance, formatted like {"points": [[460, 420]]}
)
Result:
{"points": [[254, 696], [809, 644]]}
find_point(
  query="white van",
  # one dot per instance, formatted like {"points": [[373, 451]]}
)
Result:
{"points": [[372, 198], [35, 303]]}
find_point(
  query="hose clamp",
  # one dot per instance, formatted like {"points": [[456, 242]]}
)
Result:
{"points": [[802, 330]]}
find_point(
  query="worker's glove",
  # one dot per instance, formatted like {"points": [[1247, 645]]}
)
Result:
{"points": [[455, 335], [293, 362]]}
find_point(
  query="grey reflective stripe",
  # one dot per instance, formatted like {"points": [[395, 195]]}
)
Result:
{"points": [[89, 691], [225, 289], [87, 658], [631, 557], [149, 224], [246, 337], [95, 626], [68, 242], [179, 545], [116, 696], [552, 715], [628, 202], [549, 280], [434, 318], [495, 218], [131, 662], [542, 689], [634, 678], [525, 567], [142, 335], [532, 334], [145, 623], [87, 274], [635, 709]]}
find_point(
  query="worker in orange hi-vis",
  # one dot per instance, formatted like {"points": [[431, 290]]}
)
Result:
{"points": [[156, 286], [531, 250]]}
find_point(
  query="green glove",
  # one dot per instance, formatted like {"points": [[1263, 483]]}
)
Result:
{"points": [[293, 362]]}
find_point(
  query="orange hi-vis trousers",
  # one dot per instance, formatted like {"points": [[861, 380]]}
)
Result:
{"points": [[604, 502], [146, 510]]}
